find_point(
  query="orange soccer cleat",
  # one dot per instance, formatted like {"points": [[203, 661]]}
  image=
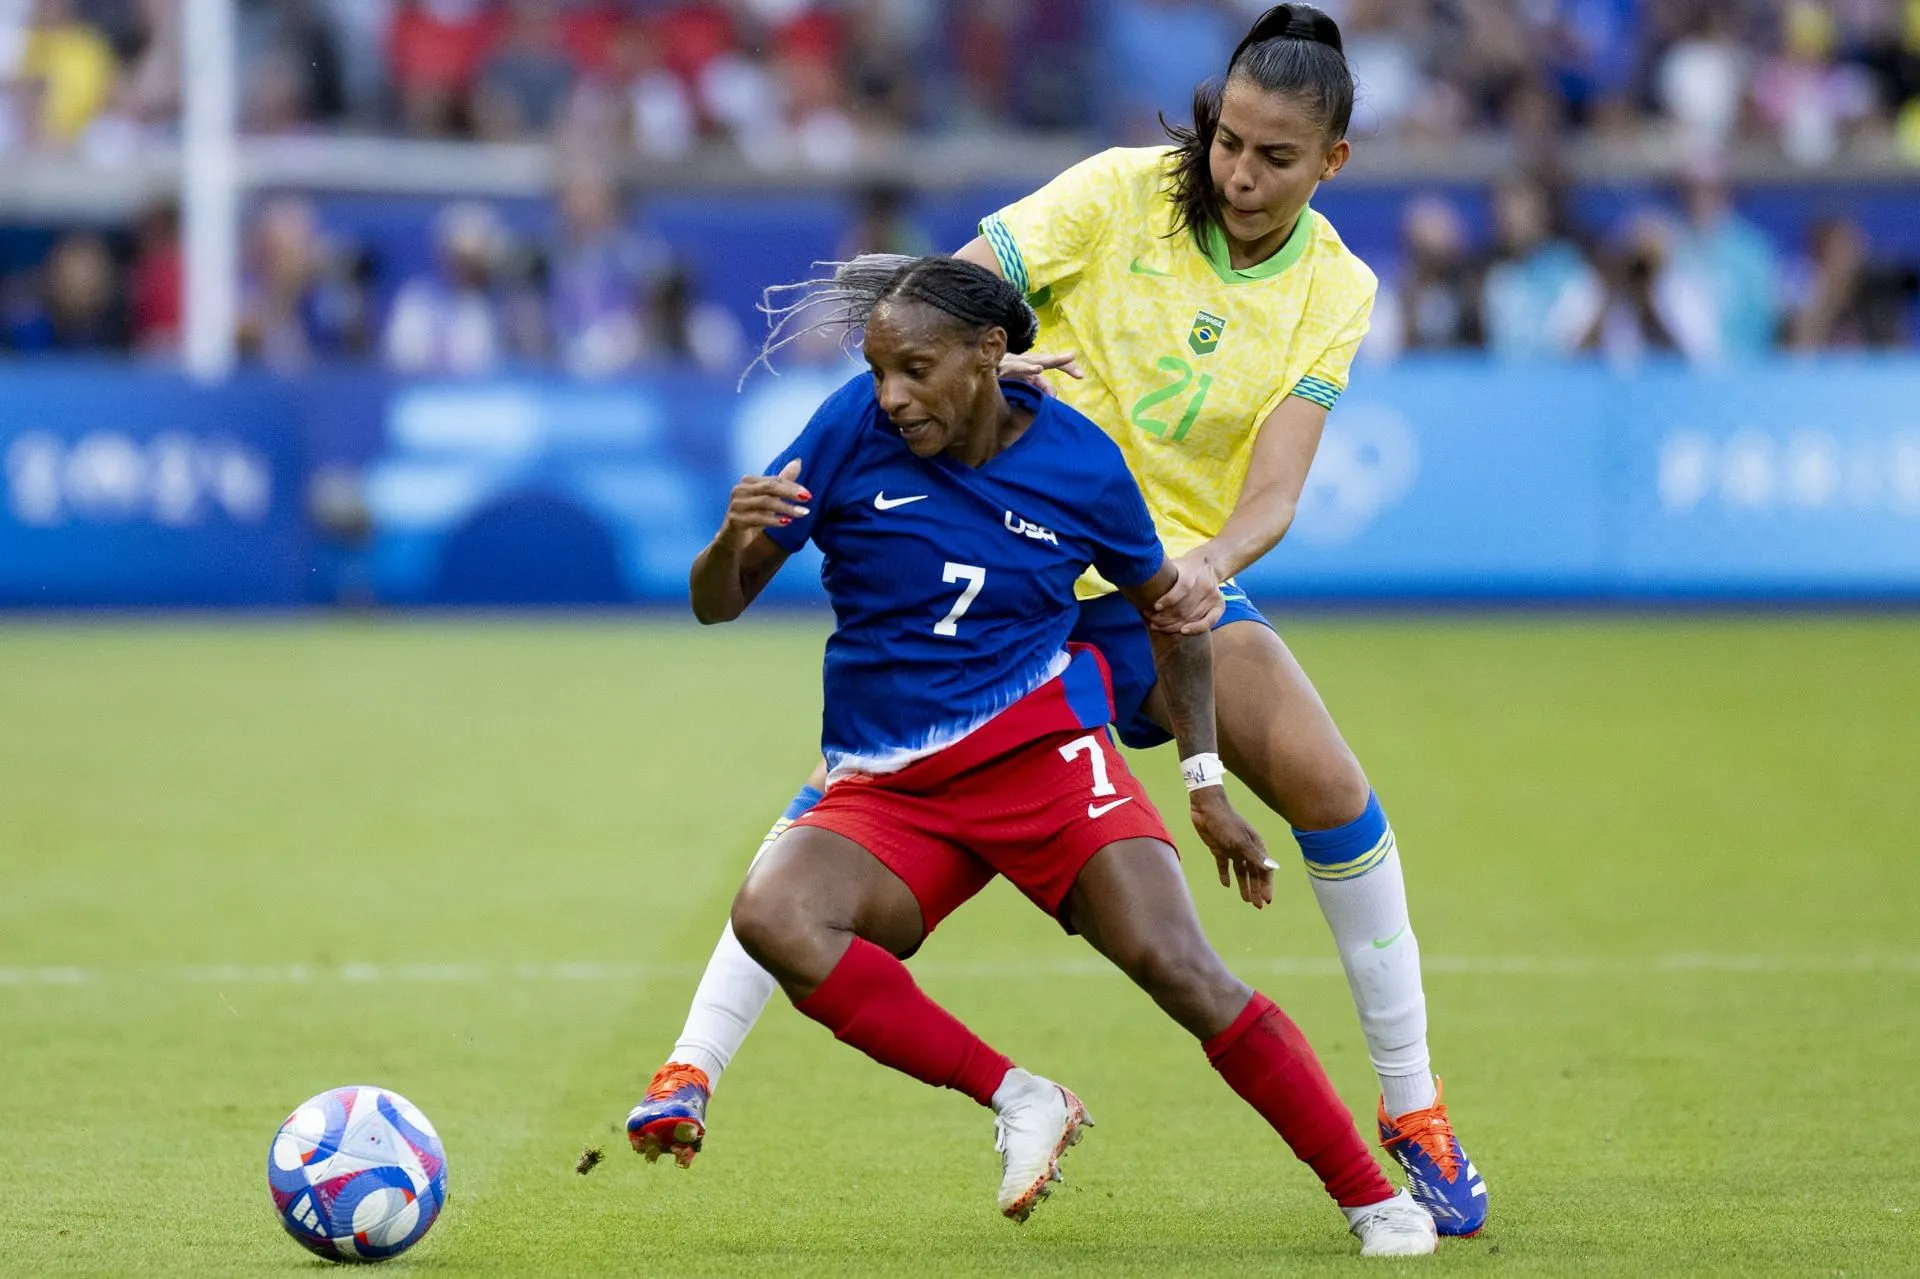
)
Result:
{"points": [[673, 1117], [1439, 1173]]}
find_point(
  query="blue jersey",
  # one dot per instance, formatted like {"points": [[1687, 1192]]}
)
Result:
{"points": [[952, 586]]}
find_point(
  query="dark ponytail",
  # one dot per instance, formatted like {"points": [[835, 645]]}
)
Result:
{"points": [[1292, 49]]}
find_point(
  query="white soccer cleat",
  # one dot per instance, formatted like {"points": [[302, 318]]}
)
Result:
{"points": [[1396, 1227], [1035, 1121]]}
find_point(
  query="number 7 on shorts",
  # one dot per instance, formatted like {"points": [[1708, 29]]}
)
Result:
{"points": [[1090, 747]]}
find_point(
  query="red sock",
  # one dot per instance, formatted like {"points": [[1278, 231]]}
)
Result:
{"points": [[1264, 1057], [871, 1002]]}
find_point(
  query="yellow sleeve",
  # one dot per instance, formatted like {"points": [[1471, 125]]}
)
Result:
{"points": [[1051, 236], [1326, 378]]}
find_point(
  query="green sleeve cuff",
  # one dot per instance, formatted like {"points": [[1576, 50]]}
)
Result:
{"points": [[1012, 266], [1317, 390]]}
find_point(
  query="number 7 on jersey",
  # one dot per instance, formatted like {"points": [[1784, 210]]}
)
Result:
{"points": [[975, 577]]}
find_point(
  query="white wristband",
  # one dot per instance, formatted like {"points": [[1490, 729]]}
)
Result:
{"points": [[1202, 771]]}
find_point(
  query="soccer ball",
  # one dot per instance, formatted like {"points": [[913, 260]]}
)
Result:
{"points": [[357, 1174]]}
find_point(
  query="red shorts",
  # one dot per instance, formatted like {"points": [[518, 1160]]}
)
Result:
{"points": [[1036, 813]]}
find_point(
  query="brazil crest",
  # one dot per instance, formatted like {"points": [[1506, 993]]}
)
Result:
{"points": [[1204, 336]]}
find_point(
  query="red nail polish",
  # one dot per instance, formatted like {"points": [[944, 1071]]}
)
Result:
{"points": [[785, 520], [805, 496]]}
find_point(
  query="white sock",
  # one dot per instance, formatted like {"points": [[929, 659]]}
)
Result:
{"points": [[731, 995], [734, 990], [1364, 912], [1404, 1094]]}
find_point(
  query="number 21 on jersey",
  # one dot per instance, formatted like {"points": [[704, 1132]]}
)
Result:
{"points": [[1183, 378]]}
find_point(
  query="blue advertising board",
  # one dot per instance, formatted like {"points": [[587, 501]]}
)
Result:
{"points": [[1429, 482], [1445, 479], [1791, 478], [128, 488], [1484, 480], [548, 491]]}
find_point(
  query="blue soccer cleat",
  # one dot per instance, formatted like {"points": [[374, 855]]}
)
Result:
{"points": [[1439, 1173], [673, 1117]]}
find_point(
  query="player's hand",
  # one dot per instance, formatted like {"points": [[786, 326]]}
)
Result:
{"points": [[1234, 844], [1193, 605], [1028, 368], [764, 501]]}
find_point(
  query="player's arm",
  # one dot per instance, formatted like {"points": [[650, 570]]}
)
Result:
{"points": [[1184, 664], [742, 559], [979, 252], [1269, 498]]}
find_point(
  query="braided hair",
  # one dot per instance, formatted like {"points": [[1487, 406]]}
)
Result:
{"points": [[842, 302], [1292, 49]]}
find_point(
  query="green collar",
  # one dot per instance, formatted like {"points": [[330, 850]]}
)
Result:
{"points": [[1213, 245]]}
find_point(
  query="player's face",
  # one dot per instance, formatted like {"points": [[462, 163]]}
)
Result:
{"points": [[932, 382], [1269, 154]]}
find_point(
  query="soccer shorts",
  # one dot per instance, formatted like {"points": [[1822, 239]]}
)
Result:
{"points": [[1035, 813], [1112, 625]]}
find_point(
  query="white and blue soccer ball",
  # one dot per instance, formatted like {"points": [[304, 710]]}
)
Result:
{"points": [[358, 1174]]}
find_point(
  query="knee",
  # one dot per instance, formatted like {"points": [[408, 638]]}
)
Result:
{"points": [[1315, 785], [1184, 973], [1337, 796], [766, 927]]}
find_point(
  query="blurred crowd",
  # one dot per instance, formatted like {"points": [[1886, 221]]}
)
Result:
{"points": [[1690, 278], [589, 292], [810, 83], [807, 81], [781, 81], [593, 295]]}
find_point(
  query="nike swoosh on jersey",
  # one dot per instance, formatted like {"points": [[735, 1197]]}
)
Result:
{"points": [[1140, 268], [881, 502], [1101, 810]]}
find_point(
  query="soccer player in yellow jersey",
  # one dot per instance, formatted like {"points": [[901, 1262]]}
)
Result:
{"points": [[1214, 318]]}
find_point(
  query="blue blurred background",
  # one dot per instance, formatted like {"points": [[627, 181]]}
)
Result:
{"points": [[1647, 328]]}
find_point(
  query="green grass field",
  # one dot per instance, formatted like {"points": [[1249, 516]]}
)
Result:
{"points": [[1663, 872]]}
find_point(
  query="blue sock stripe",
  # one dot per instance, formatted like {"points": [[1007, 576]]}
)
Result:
{"points": [[1358, 866], [1350, 851]]}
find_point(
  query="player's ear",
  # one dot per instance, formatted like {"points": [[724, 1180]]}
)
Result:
{"points": [[993, 348], [1336, 159]]}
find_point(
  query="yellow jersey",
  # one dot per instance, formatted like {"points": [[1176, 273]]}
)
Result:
{"points": [[1184, 356]]}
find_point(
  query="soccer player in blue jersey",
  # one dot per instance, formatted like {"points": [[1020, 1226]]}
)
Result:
{"points": [[1215, 315], [965, 738]]}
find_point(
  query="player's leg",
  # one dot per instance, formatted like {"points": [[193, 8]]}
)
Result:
{"points": [[733, 990], [1277, 737], [1131, 902], [672, 1117], [829, 920], [810, 898]]}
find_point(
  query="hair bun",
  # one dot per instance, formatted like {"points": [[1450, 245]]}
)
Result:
{"points": [[1023, 326], [1309, 23], [1292, 22]]}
